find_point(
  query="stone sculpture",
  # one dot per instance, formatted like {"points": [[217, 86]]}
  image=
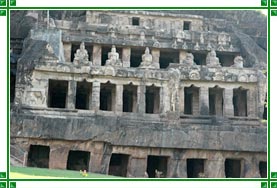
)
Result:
{"points": [[223, 39], [202, 39], [238, 62], [113, 57], [212, 60], [173, 86], [81, 56], [147, 60], [189, 60]]}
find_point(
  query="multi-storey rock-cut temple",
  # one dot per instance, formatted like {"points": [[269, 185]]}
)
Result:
{"points": [[140, 93]]}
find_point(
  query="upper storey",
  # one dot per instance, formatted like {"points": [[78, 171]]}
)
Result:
{"points": [[147, 29], [166, 22], [172, 30]]}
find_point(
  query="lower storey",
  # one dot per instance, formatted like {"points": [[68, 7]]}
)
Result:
{"points": [[129, 161]]}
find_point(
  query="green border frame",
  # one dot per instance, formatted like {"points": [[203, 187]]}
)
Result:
{"points": [[11, 5]]}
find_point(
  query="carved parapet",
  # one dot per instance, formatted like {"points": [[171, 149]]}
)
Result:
{"points": [[184, 39], [196, 72]]}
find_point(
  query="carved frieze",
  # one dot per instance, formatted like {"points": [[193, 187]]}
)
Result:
{"points": [[194, 75], [243, 78], [218, 76], [35, 97]]}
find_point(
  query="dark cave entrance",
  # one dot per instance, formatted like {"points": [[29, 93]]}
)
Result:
{"points": [[78, 160], [38, 156], [118, 164]]}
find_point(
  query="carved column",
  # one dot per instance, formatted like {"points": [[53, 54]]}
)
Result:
{"points": [[178, 168], [182, 56], [250, 168], [126, 56], [100, 157], [97, 55], [141, 98], [71, 94], [182, 100], [156, 55], [214, 167], [204, 100], [137, 166], [228, 102], [58, 158], [67, 51], [95, 99], [119, 98], [162, 101], [218, 104], [251, 103]]}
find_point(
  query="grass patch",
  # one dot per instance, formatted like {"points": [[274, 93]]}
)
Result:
{"points": [[39, 173]]}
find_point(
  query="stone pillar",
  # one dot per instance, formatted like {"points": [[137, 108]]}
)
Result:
{"points": [[162, 101], [165, 99], [196, 102], [218, 103], [204, 100], [251, 103], [100, 158], [156, 55], [126, 56], [95, 96], [71, 94], [119, 98], [25, 159], [177, 168], [137, 167], [214, 168], [228, 102], [58, 158], [182, 100], [182, 56], [97, 55], [250, 168], [67, 51], [141, 98]]}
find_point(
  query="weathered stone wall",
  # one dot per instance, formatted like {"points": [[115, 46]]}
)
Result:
{"points": [[147, 130], [100, 154], [149, 20]]}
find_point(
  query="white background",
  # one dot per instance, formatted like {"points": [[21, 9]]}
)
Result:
{"points": [[143, 3], [273, 92], [136, 184], [3, 93]]}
